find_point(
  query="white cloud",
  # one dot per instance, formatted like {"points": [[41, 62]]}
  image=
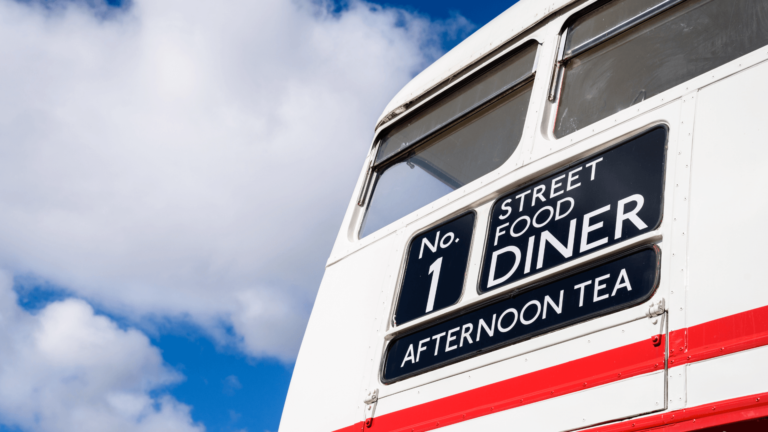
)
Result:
{"points": [[193, 158], [67, 369]]}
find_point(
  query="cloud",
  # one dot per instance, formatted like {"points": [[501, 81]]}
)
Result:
{"points": [[67, 369], [231, 384], [193, 159]]}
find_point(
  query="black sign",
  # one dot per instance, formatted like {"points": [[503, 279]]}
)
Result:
{"points": [[588, 206], [435, 270], [624, 282]]}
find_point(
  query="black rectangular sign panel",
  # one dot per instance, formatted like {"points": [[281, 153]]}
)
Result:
{"points": [[435, 269], [606, 288], [593, 204]]}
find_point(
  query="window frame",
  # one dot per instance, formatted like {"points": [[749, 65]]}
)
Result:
{"points": [[563, 58], [374, 168]]}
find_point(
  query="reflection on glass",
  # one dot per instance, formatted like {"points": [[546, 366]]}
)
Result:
{"points": [[459, 102], [454, 158], [674, 47]]}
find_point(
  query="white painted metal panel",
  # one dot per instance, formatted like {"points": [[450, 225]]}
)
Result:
{"points": [[728, 377], [619, 400], [729, 202], [327, 384]]}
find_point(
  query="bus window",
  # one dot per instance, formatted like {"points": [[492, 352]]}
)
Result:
{"points": [[585, 31], [602, 77], [462, 137]]}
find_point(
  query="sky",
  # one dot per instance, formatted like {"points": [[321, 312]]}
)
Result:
{"points": [[172, 178]]}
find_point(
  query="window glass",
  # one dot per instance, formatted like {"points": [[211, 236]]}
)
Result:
{"points": [[684, 42], [458, 103], [455, 157], [605, 18]]}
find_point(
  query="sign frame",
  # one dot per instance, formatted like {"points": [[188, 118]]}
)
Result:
{"points": [[504, 295], [404, 267], [585, 156]]}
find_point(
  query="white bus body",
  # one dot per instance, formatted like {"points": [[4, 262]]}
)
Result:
{"points": [[690, 355]]}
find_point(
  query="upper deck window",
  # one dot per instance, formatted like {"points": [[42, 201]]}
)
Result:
{"points": [[466, 134], [627, 51]]}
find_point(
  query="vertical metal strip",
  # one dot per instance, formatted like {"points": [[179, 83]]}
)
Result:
{"points": [[555, 82], [679, 191], [368, 177]]}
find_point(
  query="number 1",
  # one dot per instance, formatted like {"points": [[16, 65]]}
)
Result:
{"points": [[434, 270]]}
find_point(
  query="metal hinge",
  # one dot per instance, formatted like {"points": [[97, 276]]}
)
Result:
{"points": [[656, 309], [370, 406]]}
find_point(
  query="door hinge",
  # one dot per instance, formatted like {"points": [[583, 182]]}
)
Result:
{"points": [[370, 406], [656, 309]]}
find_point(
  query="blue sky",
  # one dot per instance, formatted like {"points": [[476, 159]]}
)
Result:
{"points": [[478, 13], [138, 170]]}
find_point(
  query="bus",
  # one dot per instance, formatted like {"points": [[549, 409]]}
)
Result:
{"points": [[559, 226]]}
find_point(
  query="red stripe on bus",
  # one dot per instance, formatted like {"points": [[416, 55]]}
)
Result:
{"points": [[696, 418], [727, 335], [722, 336]]}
